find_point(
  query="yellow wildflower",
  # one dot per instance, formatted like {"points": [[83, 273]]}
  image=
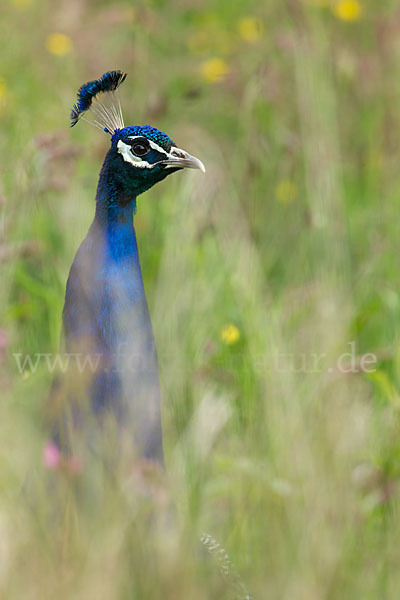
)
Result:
{"points": [[3, 89], [59, 44], [3, 93], [250, 29], [230, 334], [286, 192], [22, 3], [214, 70], [348, 10], [130, 14], [375, 158]]}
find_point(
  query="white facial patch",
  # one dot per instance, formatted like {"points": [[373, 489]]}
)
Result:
{"points": [[173, 159], [151, 144], [128, 156], [137, 161]]}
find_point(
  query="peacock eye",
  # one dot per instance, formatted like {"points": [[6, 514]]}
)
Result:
{"points": [[140, 148]]}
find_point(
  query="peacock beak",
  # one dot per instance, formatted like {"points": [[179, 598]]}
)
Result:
{"points": [[180, 158]]}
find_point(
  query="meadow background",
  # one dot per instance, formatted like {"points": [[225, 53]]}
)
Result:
{"points": [[287, 247]]}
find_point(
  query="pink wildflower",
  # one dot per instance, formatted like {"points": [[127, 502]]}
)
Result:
{"points": [[51, 456]]}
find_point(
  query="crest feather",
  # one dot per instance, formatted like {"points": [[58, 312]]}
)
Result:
{"points": [[100, 97]]}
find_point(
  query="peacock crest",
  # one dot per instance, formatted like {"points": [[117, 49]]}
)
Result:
{"points": [[101, 98]]}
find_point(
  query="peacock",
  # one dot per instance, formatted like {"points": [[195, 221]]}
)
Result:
{"points": [[106, 321]]}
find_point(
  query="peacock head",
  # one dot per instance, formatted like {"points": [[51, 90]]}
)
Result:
{"points": [[144, 156], [140, 155]]}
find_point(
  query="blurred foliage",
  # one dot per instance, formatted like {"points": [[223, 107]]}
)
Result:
{"points": [[287, 246]]}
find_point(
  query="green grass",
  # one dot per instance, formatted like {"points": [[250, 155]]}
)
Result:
{"points": [[291, 236]]}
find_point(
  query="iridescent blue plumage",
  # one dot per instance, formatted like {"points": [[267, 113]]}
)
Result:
{"points": [[151, 133], [109, 82], [105, 316]]}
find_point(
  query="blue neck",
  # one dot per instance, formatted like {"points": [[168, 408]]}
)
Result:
{"points": [[106, 313], [115, 208]]}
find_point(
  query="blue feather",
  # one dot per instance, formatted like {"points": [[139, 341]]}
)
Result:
{"points": [[151, 133], [108, 82]]}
